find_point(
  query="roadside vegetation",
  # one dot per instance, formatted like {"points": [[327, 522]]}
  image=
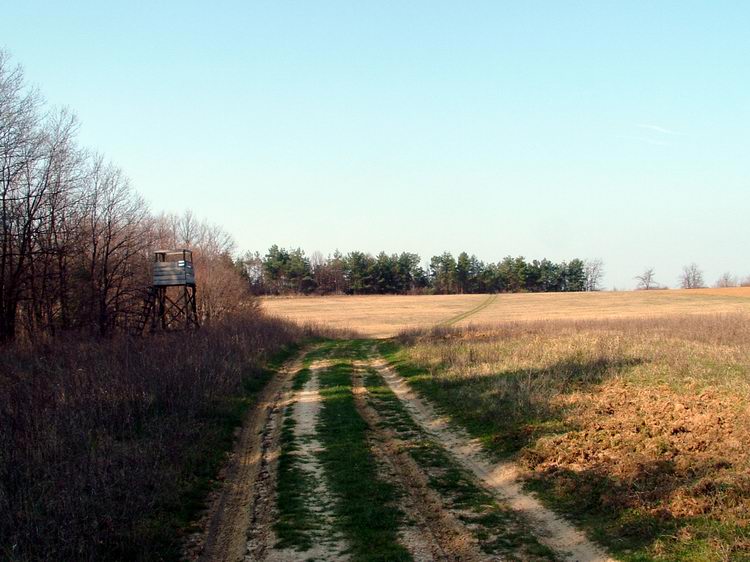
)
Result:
{"points": [[109, 447], [634, 428]]}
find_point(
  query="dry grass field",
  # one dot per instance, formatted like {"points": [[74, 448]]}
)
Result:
{"points": [[376, 316], [636, 428], [381, 316], [626, 411]]}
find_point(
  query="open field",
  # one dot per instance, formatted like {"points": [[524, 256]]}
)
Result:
{"points": [[468, 443], [385, 315], [375, 316], [634, 428], [628, 413]]}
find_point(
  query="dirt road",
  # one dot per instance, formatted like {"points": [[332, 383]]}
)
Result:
{"points": [[342, 461]]}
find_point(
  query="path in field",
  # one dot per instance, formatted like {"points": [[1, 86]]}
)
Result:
{"points": [[303, 409], [435, 533], [447, 502], [464, 315], [502, 478]]}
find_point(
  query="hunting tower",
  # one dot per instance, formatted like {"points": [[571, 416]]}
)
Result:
{"points": [[173, 291]]}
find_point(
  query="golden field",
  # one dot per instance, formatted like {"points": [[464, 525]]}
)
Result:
{"points": [[635, 428], [381, 316], [628, 412]]}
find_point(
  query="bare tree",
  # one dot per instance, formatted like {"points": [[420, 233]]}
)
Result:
{"points": [[31, 154], [691, 277], [116, 221], [726, 280], [594, 271], [319, 266], [646, 280], [74, 236], [58, 177]]}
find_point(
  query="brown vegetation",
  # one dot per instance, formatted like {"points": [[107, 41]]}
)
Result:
{"points": [[76, 238], [386, 315], [636, 427], [372, 316], [107, 447]]}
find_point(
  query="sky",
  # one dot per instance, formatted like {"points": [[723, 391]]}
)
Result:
{"points": [[612, 130]]}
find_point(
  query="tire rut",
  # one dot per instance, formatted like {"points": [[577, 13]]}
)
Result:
{"points": [[328, 543], [440, 532], [499, 478], [240, 504]]}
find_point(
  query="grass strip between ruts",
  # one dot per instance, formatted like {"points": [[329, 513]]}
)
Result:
{"points": [[365, 504]]}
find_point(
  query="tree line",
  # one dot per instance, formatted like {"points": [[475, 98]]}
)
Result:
{"points": [[75, 237], [283, 271]]}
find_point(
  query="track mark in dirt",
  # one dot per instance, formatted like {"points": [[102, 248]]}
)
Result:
{"points": [[435, 534], [328, 544], [242, 500], [501, 478], [262, 508], [464, 315]]}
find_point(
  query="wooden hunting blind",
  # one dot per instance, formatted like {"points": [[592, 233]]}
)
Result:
{"points": [[173, 290], [173, 268]]}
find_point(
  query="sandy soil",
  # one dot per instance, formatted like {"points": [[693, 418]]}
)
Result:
{"points": [[500, 478]]}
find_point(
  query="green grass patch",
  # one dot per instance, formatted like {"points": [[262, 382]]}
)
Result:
{"points": [[365, 504], [301, 378], [320, 351]]}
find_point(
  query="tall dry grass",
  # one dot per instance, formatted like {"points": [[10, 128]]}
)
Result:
{"points": [[106, 446], [637, 427]]}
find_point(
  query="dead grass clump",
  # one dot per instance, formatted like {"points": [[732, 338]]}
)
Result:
{"points": [[108, 446]]}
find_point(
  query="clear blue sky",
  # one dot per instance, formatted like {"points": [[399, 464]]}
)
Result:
{"points": [[561, 129]]}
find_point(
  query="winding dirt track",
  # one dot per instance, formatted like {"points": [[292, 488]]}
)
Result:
{"points": [[464, 315]]}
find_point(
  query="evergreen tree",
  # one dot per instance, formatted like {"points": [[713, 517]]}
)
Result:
{"points": [[358, 272], [463, 272], [443, 273], [575, 275]]}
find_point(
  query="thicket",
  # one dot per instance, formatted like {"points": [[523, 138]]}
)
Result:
{"points": [[108, 447], [290, 271], [108, 443]]}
